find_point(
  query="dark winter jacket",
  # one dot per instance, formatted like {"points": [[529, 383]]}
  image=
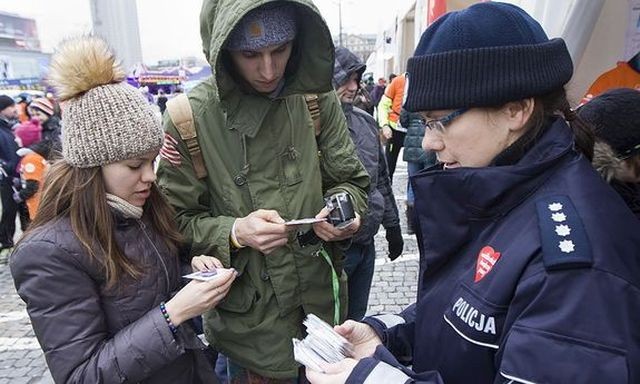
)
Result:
{"points": [[8, 147], [91, 334], [382, 207], [533, 277], [413, 151], [364, 133]]}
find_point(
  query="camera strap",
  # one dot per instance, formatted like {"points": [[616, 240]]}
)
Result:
{"points": [[336, 286]]}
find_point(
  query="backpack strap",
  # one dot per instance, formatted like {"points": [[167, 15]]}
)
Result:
{"points": [[181, 116], [314, 110]]}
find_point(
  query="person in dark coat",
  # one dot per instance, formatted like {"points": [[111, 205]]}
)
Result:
{"points": [[162, 100], [532, 268], [98, 267], [382, 209], [8, 164], [615, 116]]}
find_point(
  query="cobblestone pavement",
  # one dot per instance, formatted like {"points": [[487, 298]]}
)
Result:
{"points": [[21, 360]]}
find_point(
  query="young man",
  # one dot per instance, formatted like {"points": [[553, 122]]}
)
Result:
{"points": [[382, 209], [265, 165]]}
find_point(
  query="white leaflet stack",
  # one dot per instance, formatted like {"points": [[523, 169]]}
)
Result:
{"points": [[321, 346]]}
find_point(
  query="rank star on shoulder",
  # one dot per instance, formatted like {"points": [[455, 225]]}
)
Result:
{"points": [[567, 246], [563, 230], [555, 207], [559, 217]]}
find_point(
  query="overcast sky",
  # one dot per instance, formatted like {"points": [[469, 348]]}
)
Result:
{"points": [[169, 28]]}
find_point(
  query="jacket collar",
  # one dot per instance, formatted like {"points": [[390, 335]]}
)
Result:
{"points": [[453, 200]]}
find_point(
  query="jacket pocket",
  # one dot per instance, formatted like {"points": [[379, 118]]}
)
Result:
{"points": [[241, 296], [243, 292], [290, 169], [474, 319], [536, 356]]}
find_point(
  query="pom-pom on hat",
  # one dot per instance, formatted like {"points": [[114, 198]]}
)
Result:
{"points": [[265, 26], [104, 119], [484, 56]]}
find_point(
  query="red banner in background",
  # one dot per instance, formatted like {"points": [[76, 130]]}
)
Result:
{"points": [[436, 8]]}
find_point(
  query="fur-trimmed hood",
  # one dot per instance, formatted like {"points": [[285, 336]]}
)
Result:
{"points": [[606, 162]]}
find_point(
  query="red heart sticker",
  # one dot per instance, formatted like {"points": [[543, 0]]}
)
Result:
{"points": [[487, 258]]}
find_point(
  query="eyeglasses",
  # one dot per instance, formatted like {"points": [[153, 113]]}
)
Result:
{"points": [[439, 124]]}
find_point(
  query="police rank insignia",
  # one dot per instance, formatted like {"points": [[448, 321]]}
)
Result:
{"points": [[564, 240]]}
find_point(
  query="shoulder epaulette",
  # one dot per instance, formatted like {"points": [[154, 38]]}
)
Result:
{"points": [[564, 241]]}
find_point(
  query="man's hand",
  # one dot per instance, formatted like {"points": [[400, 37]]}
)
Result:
{"points": [[263, 230], [396, 243], [337, 373], [327, 232], [387, 132], [362, 336]]}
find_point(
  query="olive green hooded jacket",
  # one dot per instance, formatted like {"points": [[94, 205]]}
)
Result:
{"points": [[262, 153]]}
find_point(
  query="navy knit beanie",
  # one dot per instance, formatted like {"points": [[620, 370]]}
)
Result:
{"points": [[484, 56]]}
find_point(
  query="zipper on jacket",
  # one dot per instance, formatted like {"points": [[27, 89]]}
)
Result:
{"points": [[164, 266]]}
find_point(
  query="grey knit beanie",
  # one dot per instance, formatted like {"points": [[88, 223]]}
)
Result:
{"points": [[104, 119], [263, 27]]}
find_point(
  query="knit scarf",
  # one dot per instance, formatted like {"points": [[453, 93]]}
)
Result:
{"points": [[129, 211]]}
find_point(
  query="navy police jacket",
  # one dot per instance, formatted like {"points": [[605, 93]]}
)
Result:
{"points": [[533, 276]]}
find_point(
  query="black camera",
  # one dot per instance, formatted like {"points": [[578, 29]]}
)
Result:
{"points": [[341, 214], [340, 207]]}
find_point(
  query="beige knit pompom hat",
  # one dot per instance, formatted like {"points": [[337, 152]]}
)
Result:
{"points": [[104, 120]]}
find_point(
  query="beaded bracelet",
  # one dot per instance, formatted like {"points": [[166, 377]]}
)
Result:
{"points": [[172, 327]]}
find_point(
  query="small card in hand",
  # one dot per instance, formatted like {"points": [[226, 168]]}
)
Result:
{"points": [[202, 275]]}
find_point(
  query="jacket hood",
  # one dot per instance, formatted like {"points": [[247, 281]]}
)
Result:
{"points": [[314, 68], [346, 64], [605, 161]]}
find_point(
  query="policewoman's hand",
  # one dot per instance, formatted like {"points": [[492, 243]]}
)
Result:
{"points": [[362, 336], [337, 373], [198, 297], [327, 232], [263, 230]]}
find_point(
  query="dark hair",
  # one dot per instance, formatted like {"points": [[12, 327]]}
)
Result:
{"points": [[80, 195], [550, 105]]}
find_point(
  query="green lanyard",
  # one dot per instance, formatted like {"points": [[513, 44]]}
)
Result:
{"points": [[336, 287]]}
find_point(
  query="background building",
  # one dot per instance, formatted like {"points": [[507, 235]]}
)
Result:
{"points": [[22, 63], [361, 45], [117, 22]]}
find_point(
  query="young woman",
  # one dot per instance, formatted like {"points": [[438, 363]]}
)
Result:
{"points": [[98, 267], [532, 269]]}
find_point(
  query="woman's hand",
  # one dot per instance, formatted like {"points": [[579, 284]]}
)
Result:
{"points": [[362, 336], [334, 373], [205, 263], [198, 297]]}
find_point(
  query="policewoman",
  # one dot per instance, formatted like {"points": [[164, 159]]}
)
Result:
{"points": [[532, 261]]}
